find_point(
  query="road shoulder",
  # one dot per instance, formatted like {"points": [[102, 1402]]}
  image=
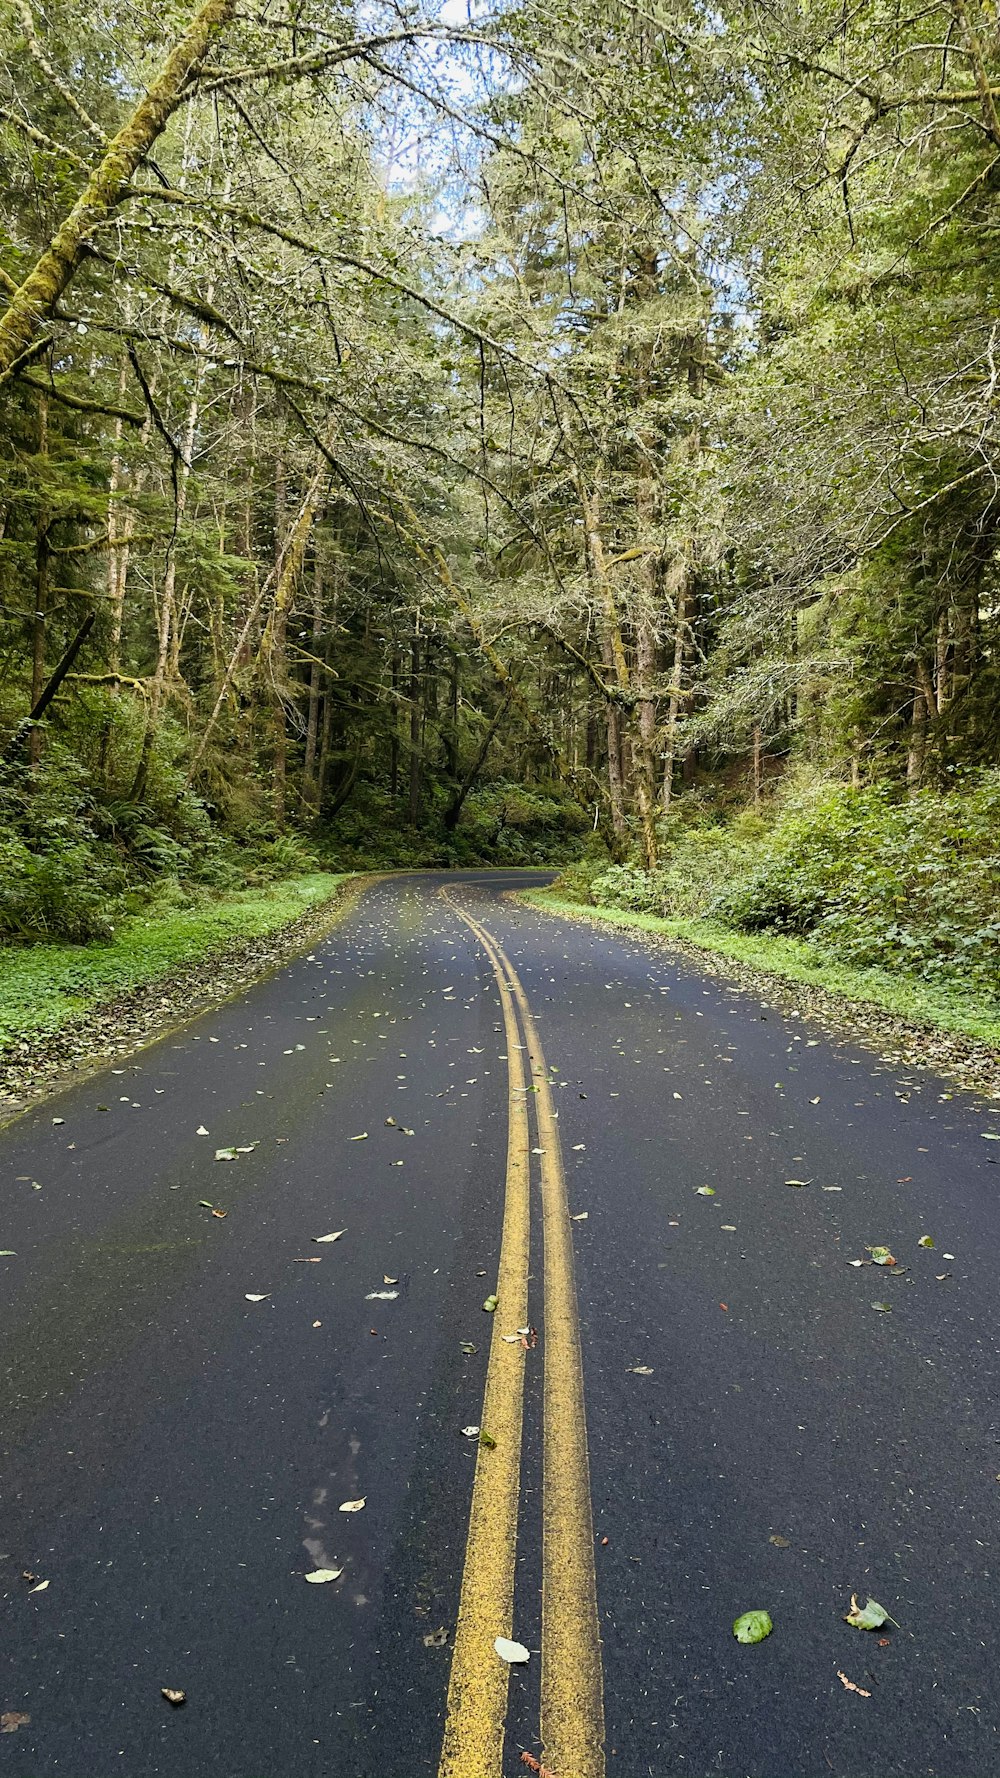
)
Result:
{"points": [[45, 1057], [795, 987]]}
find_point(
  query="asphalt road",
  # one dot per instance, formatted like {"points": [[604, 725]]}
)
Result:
{"points": [[174, 1456]]}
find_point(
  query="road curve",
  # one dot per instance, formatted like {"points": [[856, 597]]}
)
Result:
{"points": [[714, 1418]]}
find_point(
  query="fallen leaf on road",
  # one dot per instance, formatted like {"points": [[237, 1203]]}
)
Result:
{"points": [[490, 1304], [320, 1576], [534, 1765], [225, 1154], [849, 1685], [883, 1308], [7, 1253], [262, 1298], [868, 1617], [468, 1348], [470, 1431], [510, 1651], [705, 1191], [172, 1696], [381, 1296], [798, 1182], [334, 1237], [200, 1131], [947, 1256], [487, 1441], [390, 1123], [857, 1262], [780, 1543], [362, 1138], [511, 1339], [317, 1323], [436, 1638], [752, 1626], [39, 1587], [221, 1214], [352, 1506], [12, 1720], [881, 1256], [387, 1280], [832, 1188], [988, 1136], [640, 1370], [581, 1216], [926, 1241]]}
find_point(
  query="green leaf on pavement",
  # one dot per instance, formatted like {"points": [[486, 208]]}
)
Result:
{"points": [[868, 1617], [753, 1626], [883, 1308], [487, 1440], [926, 1241], [705, 1191], [881, 1256], [490, 1304]]}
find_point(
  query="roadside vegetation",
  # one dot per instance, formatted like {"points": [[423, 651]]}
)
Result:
{"points": [[44, 986]]}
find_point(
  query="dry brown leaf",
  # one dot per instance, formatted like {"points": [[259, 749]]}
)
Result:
{"points": [[849, 1685], [534, 1765], [12, 1720], [172, 1696]]}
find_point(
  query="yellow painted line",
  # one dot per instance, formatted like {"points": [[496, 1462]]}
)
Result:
{"points": [[477, 1691], [572, 1683], [572, 1699]]}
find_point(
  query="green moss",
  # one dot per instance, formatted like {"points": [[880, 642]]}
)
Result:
{"points": [[797, 960], [43, 985]]}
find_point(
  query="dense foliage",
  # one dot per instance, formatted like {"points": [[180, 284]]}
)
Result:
{"points": [[442, 439]]}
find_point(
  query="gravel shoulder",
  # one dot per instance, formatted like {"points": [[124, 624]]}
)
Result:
{"points": [[971, 1062], [39, 1063]]}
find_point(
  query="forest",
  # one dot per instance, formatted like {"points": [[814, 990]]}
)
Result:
{"points": [[440, 434]]}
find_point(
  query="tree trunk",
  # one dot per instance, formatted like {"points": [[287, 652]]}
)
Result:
{"points": [[678, 580], [457, 803], [415, 719], [758, 765], [43, 559], [394, 733], [34, 301], [278, 625], [167, 600], [918, 740], [312, 718]]}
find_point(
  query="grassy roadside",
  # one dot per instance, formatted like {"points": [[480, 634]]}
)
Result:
{"points": [[43, 986], [795, 960]]}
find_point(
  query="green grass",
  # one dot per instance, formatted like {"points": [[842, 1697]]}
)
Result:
{"points": [[42, 985], [796, 960]]}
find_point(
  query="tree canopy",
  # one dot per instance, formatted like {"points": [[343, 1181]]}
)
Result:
{"points": [[437, 433]]}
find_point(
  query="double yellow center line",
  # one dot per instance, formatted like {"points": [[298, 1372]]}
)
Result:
{"points": [[572, 1708]]}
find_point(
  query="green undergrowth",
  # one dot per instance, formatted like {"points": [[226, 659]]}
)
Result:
{"points": [[43, 985], [797, 960]]}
